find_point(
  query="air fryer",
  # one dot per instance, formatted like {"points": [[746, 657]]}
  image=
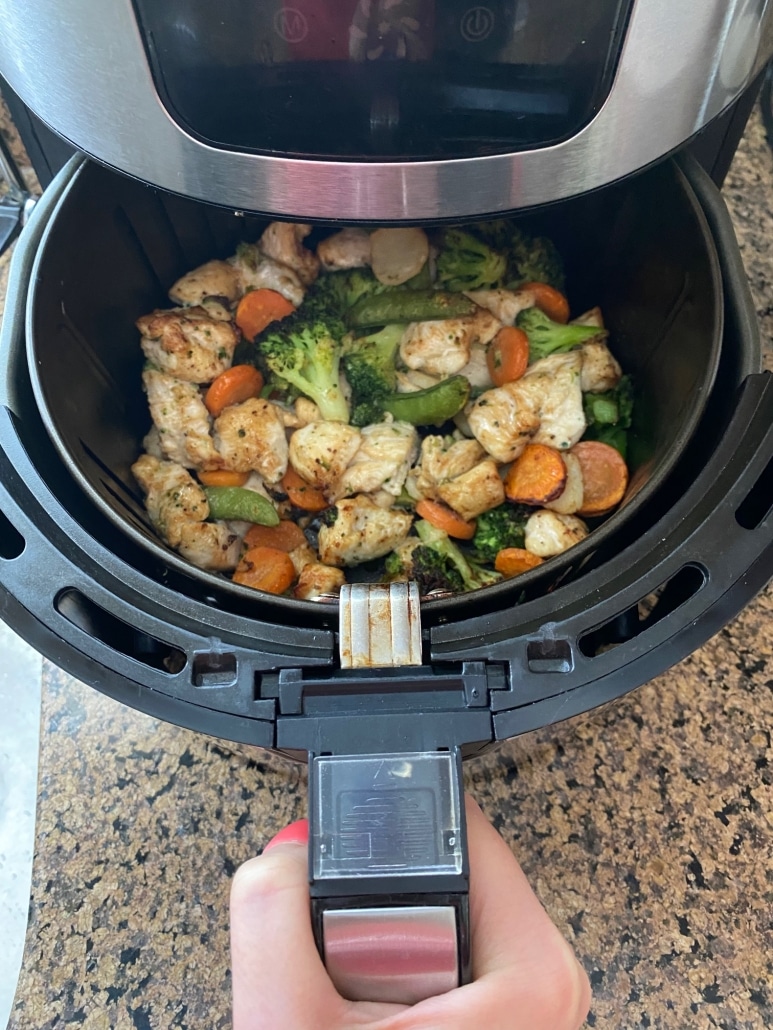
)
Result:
{"points": [[441, 126]]}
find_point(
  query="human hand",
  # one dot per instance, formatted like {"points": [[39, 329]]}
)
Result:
{"points": [[525, 975]]}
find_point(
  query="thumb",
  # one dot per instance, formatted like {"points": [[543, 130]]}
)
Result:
{"points": [[278, 977]]}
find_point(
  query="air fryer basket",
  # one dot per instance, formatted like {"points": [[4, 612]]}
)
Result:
{"points": [[116, 610], [642, 251]]}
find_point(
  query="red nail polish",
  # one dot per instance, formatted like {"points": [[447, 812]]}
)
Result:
{"points": [[295, 833]]}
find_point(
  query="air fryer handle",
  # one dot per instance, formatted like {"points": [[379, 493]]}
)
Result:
{"points": [[389, 874]]}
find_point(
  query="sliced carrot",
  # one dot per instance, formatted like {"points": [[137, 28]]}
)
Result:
{"points": [[258, 309], [508, 355], [284, 537], [265, 568], [549, 300], [537, 476], [512, 561], [223, 477], [238, 383], [301, 494], [443, 517], [604, 476]]}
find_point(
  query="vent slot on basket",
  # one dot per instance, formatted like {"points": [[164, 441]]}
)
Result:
{"points": [[12, 543], [758, 503], [214, 670], [645, 613], [127, 640]]}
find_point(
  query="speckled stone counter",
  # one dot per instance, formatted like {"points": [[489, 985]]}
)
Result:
{"points": [[646, 828]]}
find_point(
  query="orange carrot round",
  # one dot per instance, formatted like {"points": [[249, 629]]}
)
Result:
{"points": [[508, 355], [604, 477], [512, 561], [223, 477], [445, 518], [258, 309], [284, 537], [238, 383], [301, 493], [537, 476], [549, 300], [265, 568]]}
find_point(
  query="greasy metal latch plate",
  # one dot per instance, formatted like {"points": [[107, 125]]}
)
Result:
{"points": [[379, 625]]}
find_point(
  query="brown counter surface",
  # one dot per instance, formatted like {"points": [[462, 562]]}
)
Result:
{"points": [[646, 828]]}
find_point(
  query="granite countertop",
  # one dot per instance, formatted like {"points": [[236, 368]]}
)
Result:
{"points": [[646, 828]]}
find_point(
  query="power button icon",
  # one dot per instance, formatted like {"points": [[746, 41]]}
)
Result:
{"points": [[477, 24]]}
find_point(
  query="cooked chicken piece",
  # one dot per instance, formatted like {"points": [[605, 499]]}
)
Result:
{"points": [[349, 248], [600, 369], [306, 411], [503, 421], [320, 451], [443, 460], [570, 500], [282, 242], [442, 347], [302, 556], [386, 452], [548, 533], [553, 385], [258, 271], [214, 279], [475, 491], [251, 436], [412, 381], [151, 444], [362, 531], [505, 305], [177, 507], [476, 370], [182, 420], [591, 317], [187, 344], [317, 580], [217, 309]]}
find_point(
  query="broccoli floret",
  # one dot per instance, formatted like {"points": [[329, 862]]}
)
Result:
{"points": [[429, 569], [369, 366], [497, 528], [467, 263], [341, 290], [534, 259], [308, 356], [530, 259], [609, 415], [472, 575], [547, 337]]}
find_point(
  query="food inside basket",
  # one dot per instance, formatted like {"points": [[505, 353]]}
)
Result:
{"points": [[419, 404]]}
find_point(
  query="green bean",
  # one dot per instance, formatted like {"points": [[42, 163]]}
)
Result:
{"points": [[234, 502], [408, 306], [430, 407]]}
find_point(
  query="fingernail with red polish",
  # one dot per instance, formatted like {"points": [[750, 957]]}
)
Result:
{"points": [[295, 833]]}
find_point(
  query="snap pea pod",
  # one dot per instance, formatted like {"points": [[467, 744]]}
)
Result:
{"points": [[235, 502], [430, 407], [408, 306]]}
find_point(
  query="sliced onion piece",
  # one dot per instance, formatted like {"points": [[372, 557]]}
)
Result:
{"points": [[397, 255]]}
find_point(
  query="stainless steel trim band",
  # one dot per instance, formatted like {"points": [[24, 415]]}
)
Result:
{"points": [[81, 66]]}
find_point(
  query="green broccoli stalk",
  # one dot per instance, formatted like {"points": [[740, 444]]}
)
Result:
{"points": [[473, 576], [548, 337], [308, 357], [609, 415], [498, 528], [467, 263]]}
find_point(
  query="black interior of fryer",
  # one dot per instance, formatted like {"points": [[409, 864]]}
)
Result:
{"points": [[639, 250]]}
